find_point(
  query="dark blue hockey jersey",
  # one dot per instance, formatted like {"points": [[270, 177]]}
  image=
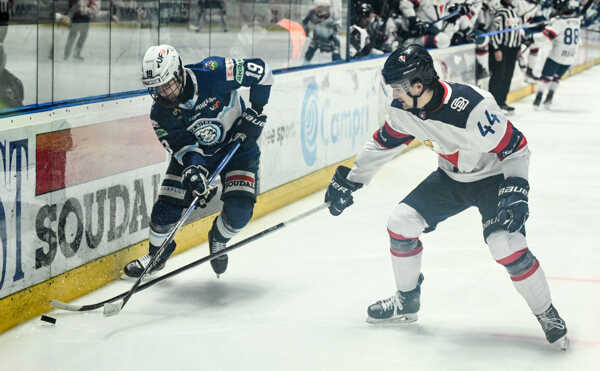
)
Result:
{"points": [[203, 124]]}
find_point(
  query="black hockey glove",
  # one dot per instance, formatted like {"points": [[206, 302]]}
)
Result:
{"points": [[194, 180], [250, 126], [339, 192], [513, 207]]}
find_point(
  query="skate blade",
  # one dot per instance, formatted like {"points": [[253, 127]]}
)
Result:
{"points": [[562, 343], [396, 320]]}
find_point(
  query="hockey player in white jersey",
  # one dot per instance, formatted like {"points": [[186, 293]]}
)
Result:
{"points": [[564, 34], [483, 162]]}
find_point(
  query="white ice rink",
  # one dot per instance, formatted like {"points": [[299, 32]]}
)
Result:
{"points": [[297, 299]]}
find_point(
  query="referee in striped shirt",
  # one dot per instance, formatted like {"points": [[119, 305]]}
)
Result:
{"points": [[504, 49]]}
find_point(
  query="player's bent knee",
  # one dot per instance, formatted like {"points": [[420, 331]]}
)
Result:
{"points": [[503, 244], [164, 213], [406, 221], [237, 211]]}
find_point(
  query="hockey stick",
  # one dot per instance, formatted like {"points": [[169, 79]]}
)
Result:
{"points": [[84, 308], [445, 17], [492, 33], [113, 308]]}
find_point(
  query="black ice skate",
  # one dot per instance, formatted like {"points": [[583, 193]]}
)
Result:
{"points": [[402, 307], [134, 268], [554, 327], [538, 99], [548, 100], [219, 265]]}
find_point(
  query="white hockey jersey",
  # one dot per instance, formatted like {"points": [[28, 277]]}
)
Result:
{"points": [[468, 131], [565, 36]]}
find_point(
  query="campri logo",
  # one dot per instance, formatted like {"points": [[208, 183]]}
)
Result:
{"points": [[332, 120], [309, 124]]}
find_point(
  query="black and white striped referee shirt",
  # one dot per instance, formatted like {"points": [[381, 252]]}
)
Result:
{"points": [[506, 17]]}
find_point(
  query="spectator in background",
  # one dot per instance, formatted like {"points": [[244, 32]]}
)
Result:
{"points": [[11, 88], [504, 49], [325, 31], [80, 13], [204, 12]]}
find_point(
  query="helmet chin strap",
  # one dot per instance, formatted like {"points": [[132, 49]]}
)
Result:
{"points": [[415, 98]]}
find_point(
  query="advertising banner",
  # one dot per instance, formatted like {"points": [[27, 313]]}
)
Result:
{"points": [[321, 116], [79, 183]]}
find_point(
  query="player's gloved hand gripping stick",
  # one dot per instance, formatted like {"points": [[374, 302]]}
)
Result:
{"points": [[339, 192], [118, 303], [112, 308]]}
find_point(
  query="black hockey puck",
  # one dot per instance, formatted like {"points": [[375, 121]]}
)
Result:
{"points": [[48, 319]]}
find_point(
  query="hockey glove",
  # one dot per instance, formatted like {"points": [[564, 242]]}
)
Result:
{"points": [[339, 192], [250, 126], [194, 180], [513, 207]]}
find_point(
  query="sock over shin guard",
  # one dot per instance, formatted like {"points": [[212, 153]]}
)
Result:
{"points": [[406, 260], [529, 279]]}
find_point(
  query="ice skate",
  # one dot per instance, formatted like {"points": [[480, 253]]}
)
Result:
{"points": [[548, 100], [219, 265], [400, 308], [134, 268], [538, 100], [554, 327]]}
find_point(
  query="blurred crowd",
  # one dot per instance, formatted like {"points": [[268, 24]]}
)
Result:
{"points": [[319, 31]]}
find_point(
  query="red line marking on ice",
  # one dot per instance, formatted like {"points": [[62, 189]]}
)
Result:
{"points": [[573, 279]]}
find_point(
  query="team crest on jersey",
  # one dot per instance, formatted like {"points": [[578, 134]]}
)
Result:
{"points": [[211, 65], [207, 132], [403, 58], [459, 103]]}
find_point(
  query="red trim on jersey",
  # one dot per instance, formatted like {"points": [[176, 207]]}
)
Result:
{"points": [[397, 236], [527, 273], [512, 257], [505, 139], [481, 51], [408, 253], [396, 134], [376, 138], [549, 33], [446, 89], [239, 177], [452, 158], [522, 144], [416, 2]]}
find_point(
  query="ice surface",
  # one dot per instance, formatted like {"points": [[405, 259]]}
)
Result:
{"points": [[297, 299]]}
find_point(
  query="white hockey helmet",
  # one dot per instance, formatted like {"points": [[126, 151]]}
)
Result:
{"points": [[163, 74]]}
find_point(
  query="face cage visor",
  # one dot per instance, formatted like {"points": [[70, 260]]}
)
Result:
{"points": [[168, 92]]}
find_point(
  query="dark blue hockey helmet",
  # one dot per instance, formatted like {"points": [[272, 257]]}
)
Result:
{"points": [[406, 66]]}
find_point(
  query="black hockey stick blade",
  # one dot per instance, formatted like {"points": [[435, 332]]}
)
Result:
{"points": [[116, 304]]}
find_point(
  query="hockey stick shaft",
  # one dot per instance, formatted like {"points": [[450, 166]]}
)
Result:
{"points": [[114, 309], [445, 17], [85, 308]]}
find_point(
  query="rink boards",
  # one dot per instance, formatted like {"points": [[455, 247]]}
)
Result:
{"points": [[79, 181]]}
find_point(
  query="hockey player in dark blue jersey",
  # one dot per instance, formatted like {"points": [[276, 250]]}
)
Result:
{"points": [[196, 115]]}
